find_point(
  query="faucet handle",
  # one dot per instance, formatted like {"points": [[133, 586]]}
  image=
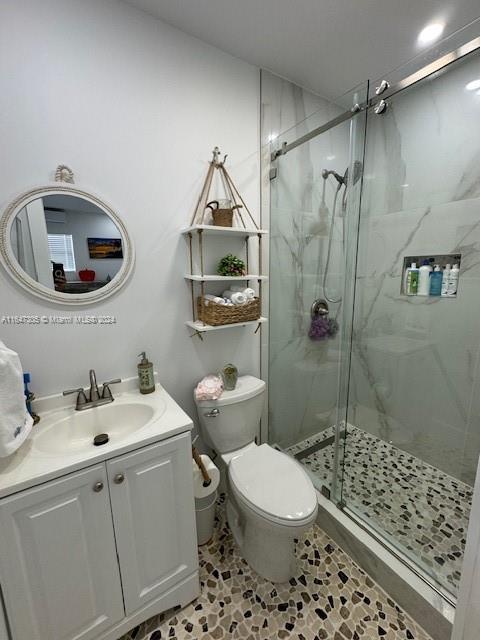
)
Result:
{"points": [[68, 392], [81, 397], [106, 393]]}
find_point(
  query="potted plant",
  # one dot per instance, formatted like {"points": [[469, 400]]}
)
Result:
{"points": [[230, 265]]}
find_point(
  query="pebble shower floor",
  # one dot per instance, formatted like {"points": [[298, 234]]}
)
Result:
{"points": [[330, 598], [417, 505]]}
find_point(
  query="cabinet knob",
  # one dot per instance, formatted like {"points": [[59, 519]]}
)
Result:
{"points": [[119, 478], [98, 486]]}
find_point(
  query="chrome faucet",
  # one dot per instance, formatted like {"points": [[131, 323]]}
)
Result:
{"points": [[93, 398], [93, 395]]}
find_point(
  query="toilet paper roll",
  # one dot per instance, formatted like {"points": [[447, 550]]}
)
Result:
{"points": [[235, 296], [199, 490]]}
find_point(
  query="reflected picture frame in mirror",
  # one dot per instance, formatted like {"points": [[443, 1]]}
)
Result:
{"points": [[15, 270]]}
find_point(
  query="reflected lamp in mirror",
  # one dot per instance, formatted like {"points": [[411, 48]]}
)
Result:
{"points": [[65, 245]]}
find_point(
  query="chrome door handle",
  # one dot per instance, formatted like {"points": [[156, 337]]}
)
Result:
{"points": [[380, 107], [119, 478], [383, 86], [98, 486], [214, 413]]}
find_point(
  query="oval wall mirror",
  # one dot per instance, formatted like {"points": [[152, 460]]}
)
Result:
{"points": [[65, 245]]}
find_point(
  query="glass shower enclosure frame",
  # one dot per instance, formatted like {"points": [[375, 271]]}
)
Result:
{"points": [[338, 453]]}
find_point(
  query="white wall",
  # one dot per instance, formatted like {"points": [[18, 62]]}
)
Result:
{"points": [[134, 107]]}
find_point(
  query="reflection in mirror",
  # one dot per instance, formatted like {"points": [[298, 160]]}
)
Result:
{"points": [[67, 243]]}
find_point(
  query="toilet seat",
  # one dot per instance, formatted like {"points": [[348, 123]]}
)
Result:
{"points": [[273, 485]]}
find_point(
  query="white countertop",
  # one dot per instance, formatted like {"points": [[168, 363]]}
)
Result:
{"points": [[29, 466]]}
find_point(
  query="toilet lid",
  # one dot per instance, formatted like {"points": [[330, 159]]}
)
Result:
{"points": [[273, 483]]}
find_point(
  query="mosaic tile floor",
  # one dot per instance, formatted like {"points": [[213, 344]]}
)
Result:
{"points": [[420, 507], [330, 598]]}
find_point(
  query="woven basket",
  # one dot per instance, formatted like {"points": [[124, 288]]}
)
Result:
{"points": [[222, 217], [216, 314]]}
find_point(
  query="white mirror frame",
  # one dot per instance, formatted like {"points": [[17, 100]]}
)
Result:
{"points": [[27, 283]]}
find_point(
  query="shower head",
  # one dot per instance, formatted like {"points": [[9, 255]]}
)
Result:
{"points": [[343, 180], [338, 177], [357, 172]]}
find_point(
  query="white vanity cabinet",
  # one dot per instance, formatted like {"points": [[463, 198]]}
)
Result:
{"points": [[154, 517], [92, 554], [58, 565]]}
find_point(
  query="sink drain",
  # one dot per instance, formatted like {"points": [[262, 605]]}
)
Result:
{"points": [[102, 438]]}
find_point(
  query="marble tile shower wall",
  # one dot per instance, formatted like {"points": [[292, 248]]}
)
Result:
{"points": [[302, 374], [416, 373]]}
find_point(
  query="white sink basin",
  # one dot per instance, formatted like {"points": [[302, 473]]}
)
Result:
{"points": [[75, 431]]}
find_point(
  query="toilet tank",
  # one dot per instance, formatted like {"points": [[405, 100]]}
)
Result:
{"points": [[231, 422]]}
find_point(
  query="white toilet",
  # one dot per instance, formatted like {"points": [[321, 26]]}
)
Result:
{"points": [[271, 499]]}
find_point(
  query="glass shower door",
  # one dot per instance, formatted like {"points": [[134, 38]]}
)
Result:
{"points": [[412, 387], [313, 211]]}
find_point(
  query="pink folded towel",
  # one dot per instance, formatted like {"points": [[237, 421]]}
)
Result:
{"points": [[210, 388]]}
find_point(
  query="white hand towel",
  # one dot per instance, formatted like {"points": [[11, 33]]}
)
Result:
{"points": [[247, 291], [209, 298], [235, 296], [15, 421]]}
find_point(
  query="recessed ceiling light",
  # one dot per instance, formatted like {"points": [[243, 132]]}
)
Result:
{"points": [[330, 157], [431, 33], [272, 137], [474, 84]]}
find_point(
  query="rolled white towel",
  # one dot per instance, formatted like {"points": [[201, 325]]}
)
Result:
{"points": [[209, 298], [235, 296], [247, 291]]}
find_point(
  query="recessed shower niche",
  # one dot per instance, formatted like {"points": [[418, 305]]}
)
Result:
{"points": [[431, 275]]}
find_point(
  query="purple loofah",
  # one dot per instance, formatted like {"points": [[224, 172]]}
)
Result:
{"points": [[319, 329], [322, 327]]}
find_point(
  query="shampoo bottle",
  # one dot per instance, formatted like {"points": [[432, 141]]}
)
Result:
{"points": [[411, 280], [453, 281], [436, 281], [424, 278], [146, 379], [445, 279]]}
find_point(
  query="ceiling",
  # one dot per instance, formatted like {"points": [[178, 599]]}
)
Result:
{"points": [[327, 46]]}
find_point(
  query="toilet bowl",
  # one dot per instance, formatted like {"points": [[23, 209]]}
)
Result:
{"points": [[271, 500]]}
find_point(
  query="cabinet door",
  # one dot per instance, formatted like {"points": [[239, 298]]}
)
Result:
{"points": [[58, 565], [153, 512]]}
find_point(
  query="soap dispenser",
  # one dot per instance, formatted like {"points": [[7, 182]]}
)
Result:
{"points": [[411, 280], [436, 281], [445, 280], [424, 274], [453, 281], [146, 379]]}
